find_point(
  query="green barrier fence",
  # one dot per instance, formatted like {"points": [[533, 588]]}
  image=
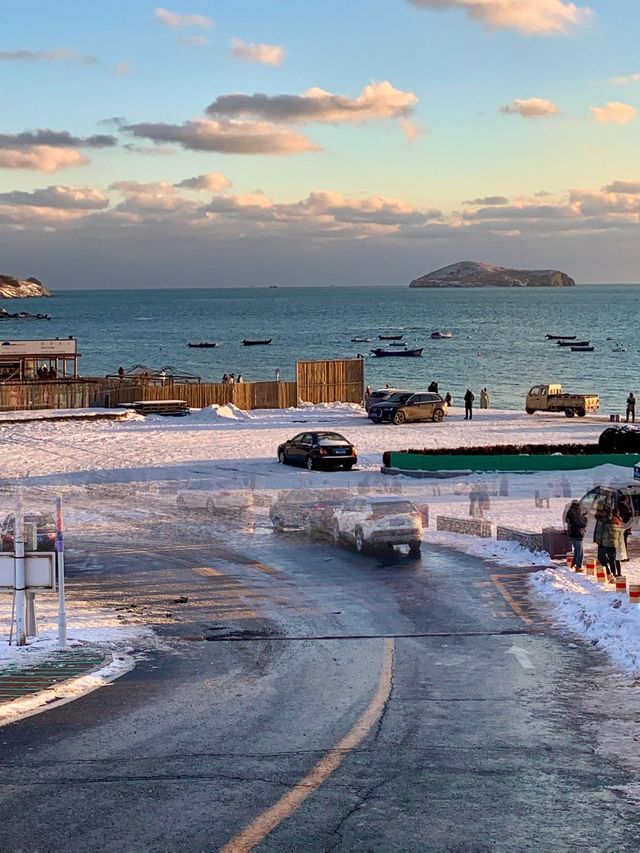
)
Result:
{"points": [[508, 462]]}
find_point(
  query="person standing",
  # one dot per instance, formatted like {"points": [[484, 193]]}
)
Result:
{"points": [[468, 405], [484, 399], [611, 539], [277, 374], [239, 380], [602, 516], [576, 521], [631, 407], [448, 399]]}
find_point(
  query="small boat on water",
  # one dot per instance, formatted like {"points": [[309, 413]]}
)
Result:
{"points": [[407, 353], [439, 336], [248, 343], [397, 344], [203, 345], [561, 337], [582, 349], [360, 340], [573, 343], [390, 337]]}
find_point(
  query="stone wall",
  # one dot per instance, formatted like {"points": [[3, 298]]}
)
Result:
{"points": [[470, 526], [528, 540]]}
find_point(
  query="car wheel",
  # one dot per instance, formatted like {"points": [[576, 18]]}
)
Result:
{"points": [[360, 540], [399, 418], [180, 502], [581, 413], [530, 411], [415, 548], [348, 466], [569, 413], [310, 463], [282, 457], [438, 415]]}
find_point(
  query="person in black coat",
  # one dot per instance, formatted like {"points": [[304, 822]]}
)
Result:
{"points": [[576, 521], [468, 405]]}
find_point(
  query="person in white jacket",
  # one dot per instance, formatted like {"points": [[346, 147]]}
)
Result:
{"points": [[484, 399]]}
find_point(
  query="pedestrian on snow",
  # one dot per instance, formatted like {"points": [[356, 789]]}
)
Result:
{"points": [[484, 399], [576, 521], [602, 517], [626, 516], [448, 399], [631, 407], [611, 539], [468, 405]]}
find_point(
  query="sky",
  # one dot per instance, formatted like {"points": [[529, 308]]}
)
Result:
{"points": [[244, 143]]}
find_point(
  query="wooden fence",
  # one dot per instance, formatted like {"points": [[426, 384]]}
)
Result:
{"points": [[58, 394], [246, 395], [331, 381]]}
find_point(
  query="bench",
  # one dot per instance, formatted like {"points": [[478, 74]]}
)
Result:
{"points": [[159, 407]]}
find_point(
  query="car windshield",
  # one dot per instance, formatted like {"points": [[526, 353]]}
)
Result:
{"points": [[399, 398], [392, 508]]}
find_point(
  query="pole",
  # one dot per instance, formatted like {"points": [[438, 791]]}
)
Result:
{"points": [[62, 615], [19, 582], [32, 622]]}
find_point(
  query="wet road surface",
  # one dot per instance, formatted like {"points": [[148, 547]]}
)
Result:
{"points": [[472, 723]]}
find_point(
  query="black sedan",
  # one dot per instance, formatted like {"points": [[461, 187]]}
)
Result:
{"points": [[318, 450]]}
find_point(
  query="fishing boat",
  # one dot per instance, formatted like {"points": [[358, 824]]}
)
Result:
{"points": [[573, 343], [582, 349], [407, 353], [390, 337], [248, 343], [203, 345], [360, 340], [561, 337], [397, 344], [438, 336]]}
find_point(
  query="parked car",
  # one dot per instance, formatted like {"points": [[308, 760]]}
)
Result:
{"points": [[45, 530], [378, 521], [408, 406], [380, 395], [318, 450], [200, 495]]}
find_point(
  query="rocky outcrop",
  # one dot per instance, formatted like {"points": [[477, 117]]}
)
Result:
{"points": [[476, 274], [12, 288]]}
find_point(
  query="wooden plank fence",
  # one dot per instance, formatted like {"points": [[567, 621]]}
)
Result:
{"points": [[246, 395], [331, 381]]}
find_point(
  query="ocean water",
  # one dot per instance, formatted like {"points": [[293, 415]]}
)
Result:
{"points": [[498, 334]]}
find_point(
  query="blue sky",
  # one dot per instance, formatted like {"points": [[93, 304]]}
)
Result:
{"points": [[492, 131]]}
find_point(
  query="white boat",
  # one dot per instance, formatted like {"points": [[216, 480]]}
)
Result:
{"points": [[437, 336]]}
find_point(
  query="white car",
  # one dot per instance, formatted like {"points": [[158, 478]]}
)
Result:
{"points": [[379, 521], [213, 499]]}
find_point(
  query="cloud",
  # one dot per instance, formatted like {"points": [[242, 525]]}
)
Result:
{"points": [[55, 138], [625, 81], [228, 137], [532, 17], [377, 101], [531, 108], [46, 150], [267, 54], [614, 112], [60, 197], [155, 197], [625, 187], [487, 201], [62, 54], [194, 41], [213, 182], [175, 20]]}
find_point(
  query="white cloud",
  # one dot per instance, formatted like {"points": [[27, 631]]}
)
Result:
{"points": [[41, 158], [614, 112], [176, 20], [228, 137], [212, 182], [378, 100], [61, 197], [62, 54], [533, 17], [267, 54], [531, 107], [624, 81]]}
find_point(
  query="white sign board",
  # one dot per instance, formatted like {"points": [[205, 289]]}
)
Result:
{"points": [[39, 571], [64, 347]]}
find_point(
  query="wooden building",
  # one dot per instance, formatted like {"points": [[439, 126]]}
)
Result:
{"points": [[22, 361]]}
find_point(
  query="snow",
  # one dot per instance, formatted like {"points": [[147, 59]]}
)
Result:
{"points": [[213, 413]]}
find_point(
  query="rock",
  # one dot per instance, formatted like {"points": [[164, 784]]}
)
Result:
{"points": [[16, 288], [476, 274]]}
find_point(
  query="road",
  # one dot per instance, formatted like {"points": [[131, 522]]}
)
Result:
{"points": [[309, 698]]}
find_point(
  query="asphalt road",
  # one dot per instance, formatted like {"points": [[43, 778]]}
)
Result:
{"points": [[325, 701]]}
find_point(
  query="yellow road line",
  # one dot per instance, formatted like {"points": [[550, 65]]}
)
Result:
{"points": [[266, 822], [513, 604]]}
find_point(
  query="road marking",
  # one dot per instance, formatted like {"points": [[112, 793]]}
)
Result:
{"points": [[286, 806], [522, 656], [513, 604]]}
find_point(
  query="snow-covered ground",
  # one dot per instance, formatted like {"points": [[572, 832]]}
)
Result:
{"points": [[228, 448]]}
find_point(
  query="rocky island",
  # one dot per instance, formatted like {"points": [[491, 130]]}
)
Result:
{"points": [[19, 288], [476, 274]]}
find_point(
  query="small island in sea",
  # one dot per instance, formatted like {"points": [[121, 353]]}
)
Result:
{"points": [[19, 288], [477, 274]]}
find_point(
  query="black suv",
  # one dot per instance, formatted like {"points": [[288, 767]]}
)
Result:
{"points": [[406, 406]]}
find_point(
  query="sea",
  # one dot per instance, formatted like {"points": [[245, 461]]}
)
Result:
{"points": [[498, 334]]}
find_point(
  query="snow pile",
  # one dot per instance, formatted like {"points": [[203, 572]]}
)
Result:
{"points": [[338, 408], [503, 553], [594, 612], [228, 412]]}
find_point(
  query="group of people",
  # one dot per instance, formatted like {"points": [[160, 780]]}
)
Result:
{"points": [[611, 532], [232, 379], [44, 372]]}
